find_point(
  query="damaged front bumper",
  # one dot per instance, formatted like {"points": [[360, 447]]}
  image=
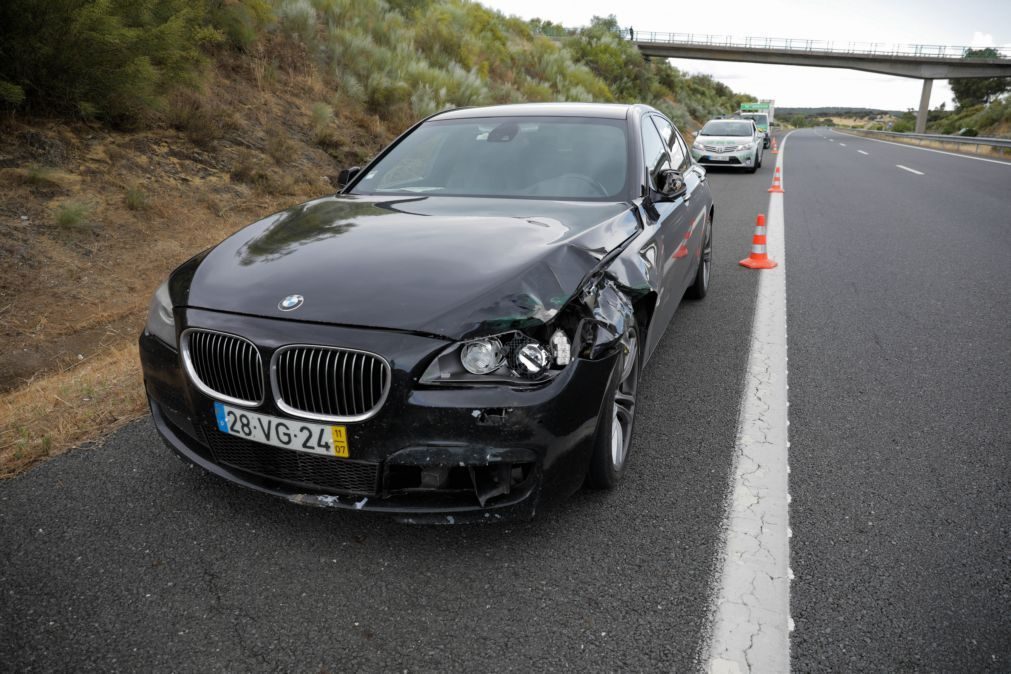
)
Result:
{"points": [[431, 454]]}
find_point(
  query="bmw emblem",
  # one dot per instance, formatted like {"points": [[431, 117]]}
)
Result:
{"points": [[290, 303]]}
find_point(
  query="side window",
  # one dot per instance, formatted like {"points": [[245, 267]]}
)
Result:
{"points": [[665, 129], [654, 151], [686, 161], [670, 137]]}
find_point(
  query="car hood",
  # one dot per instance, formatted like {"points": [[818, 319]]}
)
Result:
{"points": [[449, 266], [721, 141]]}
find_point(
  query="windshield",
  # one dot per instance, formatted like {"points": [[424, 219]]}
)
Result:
{"points": [[539, 157], [760, 119], [726, 128]]}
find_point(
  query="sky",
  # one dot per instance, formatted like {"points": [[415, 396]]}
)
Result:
{"points": [[974, 23]]}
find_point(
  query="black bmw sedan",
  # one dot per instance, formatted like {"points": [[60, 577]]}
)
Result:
{"points": [[458, 334]]}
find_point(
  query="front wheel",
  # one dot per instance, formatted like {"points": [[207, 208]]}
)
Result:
{"points": [[614, 429], [698, 289]]}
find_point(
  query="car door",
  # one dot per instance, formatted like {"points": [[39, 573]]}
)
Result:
{"points": [[672, 221], [696, 197]]}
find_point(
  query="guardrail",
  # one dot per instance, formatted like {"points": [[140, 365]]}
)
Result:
{"points": [[920, 138], [801, 44]]}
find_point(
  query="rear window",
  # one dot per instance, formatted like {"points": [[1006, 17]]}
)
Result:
{"points": [[546, 157]]}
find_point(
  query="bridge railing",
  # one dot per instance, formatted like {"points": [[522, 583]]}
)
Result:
{"points": [[801, 44]]}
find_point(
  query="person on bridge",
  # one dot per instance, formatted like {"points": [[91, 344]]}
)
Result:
{"points": [[631, 34]]}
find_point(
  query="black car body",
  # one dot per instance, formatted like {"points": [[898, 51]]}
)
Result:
{"points": [[356, 310]]}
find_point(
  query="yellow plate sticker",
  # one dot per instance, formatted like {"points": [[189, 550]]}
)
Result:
{"points": [[340, 441]]}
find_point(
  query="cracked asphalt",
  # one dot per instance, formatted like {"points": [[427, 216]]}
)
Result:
{"points": [[120, 558], [900, 349]]}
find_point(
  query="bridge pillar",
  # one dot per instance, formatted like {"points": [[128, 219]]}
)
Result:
{"points": [[921, 116]]}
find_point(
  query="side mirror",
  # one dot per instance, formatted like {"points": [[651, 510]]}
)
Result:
{"points": [[347, 175], [670, 184]]}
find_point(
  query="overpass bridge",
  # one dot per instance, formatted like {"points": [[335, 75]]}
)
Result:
{"points": [[925, 62]]}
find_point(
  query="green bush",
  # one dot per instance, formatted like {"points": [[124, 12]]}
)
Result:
{"points": [[906, 123], [240, 21], [135, 198], [118, 60], [73, 214], [111, 59]]}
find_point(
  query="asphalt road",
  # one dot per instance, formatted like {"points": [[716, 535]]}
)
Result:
{"points": [[119, 557], [898, 295]]}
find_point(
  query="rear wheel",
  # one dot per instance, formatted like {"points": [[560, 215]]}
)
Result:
{"points": [[698, 289], [614, 429]]}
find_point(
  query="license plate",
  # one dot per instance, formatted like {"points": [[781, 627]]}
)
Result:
{"points": [[300, 436], [715, 157]]}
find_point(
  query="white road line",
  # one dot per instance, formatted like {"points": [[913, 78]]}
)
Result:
{"points": [[750, 609], [906, 168], [842, 144], [928, 149], [861, 152]]}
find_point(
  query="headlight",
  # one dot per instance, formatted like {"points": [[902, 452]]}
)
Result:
{"points": [[698, 146], [531, 360], [512, 357], [742, 148], [160, 321], [482, 356]]}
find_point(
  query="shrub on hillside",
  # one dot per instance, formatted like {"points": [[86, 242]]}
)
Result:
{"points": [[100, 58], [114, 59], [240, 21]]}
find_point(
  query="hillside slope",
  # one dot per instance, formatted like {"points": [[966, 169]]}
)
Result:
{"points": [[101, 198]]}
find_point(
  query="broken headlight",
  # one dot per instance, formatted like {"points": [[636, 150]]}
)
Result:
{"points": [[482, 356], [511, 357]]}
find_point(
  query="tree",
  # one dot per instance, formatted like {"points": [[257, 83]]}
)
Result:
{"points": [[979, 90]]}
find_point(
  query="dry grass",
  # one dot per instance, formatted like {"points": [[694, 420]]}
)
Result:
{"points": [[75, 282], [92, 398]]}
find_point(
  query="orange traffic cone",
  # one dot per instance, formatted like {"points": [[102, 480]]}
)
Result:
{"points": [[775, 148], [776, 185], [759, 258]]}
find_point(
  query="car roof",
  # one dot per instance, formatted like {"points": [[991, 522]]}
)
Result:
{"points": [[605, 110]]}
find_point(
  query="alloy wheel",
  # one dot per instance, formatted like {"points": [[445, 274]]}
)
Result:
{"points": [[624, 400]]}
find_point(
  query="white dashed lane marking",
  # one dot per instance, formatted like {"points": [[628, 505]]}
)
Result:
{"points": [[842, 144], [862, 152], [906, 168], [927, 149]]}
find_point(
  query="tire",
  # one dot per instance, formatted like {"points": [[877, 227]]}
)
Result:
{"points": [[617, 421], [700, 287], [758, 163]]}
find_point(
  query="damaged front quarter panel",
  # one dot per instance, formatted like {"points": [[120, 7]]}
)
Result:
{"points": [[611, 314]]}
